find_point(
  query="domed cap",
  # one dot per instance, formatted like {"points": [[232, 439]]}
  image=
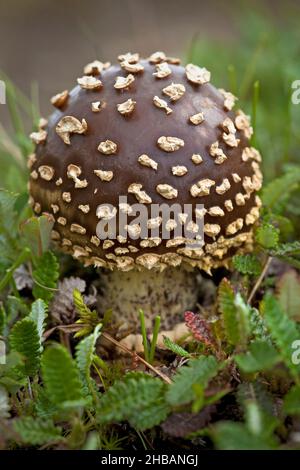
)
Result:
{"points": [[156, 133]]}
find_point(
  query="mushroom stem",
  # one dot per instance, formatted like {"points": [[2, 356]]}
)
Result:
{"points": [[168, 294]]}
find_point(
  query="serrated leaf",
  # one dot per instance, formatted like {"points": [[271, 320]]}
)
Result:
{"points": [[85, 351], [258, 327], [24, 339], [198, 371], [45, 275], [228, 311], [39, 314], [44, 408], [175, 348], [261, 356], [86, 316], [235, 314], [287, 249], [288, 295], [267, 236], [282, 329], [137, 398], [247, 264], [37, 431], [60, 376], [200, 328]]}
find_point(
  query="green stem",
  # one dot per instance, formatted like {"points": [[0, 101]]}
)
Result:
{"points": [[154, 339], [144, 335]]}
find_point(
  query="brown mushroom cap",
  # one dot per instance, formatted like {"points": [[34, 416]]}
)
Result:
{"points": [[160, 134]]}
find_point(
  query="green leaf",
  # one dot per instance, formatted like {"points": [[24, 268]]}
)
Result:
{"points": [[87, 316], [61, 377], [175, 348], [287, 249], [45, 275], [7, 206], [280, 188], [258, 327], [291, 403], [39, 314], [37, 431], [282, 329], [247, 264], [261, 356], [289, 294], [235, 314], [85, 351], [228, 311], [4, 404], [267, 235], [137, 398], [43, 407], [229, 435], [36, 232], [8, 229], [243, 315], [24, 339], [198, 371]]}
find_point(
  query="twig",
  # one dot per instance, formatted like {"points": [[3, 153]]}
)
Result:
{"points": [[139, 358], [260, 279]]}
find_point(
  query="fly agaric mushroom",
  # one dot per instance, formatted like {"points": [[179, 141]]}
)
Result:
{"points": [[157, 133]]}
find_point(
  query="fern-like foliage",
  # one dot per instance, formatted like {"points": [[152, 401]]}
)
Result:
{"points": [[198, 372], [267, 235], [259, 330], [260, 357], [228, 312], [24, 339], [87, 317], [61, 377], [287, 249], [282, 329], [37, 431], [247, 264], [45, 275], [38, 314], [175, 348], [235, 314], [138, 398], [85, 351]]}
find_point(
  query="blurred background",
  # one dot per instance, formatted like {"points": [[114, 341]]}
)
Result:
{"points": [[246, 44]]}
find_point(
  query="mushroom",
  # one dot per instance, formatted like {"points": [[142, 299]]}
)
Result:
{"points": [[165, 136]]}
